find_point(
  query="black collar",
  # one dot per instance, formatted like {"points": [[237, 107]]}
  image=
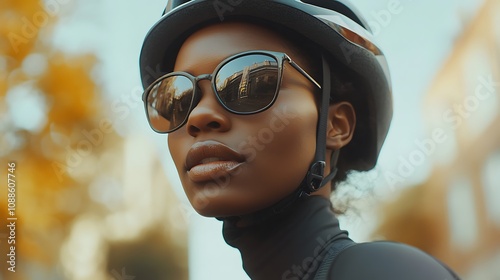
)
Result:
{"points": [[288, 245]]}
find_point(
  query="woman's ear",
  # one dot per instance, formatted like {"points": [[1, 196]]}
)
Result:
{"points": [[341, 125]]}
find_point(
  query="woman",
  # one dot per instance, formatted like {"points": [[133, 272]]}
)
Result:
{"points": [[267, 106]]}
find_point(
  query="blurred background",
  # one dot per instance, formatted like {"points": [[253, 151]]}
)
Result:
{"points": [[98, 196]]}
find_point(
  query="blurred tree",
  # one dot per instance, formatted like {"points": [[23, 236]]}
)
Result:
{"points": [[415, 218], [52, 149], [146, 258], [54, 126], [35, 77]]}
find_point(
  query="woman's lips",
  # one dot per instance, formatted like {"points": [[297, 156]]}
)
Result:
{"points": [[209, 160], [211, 171]]}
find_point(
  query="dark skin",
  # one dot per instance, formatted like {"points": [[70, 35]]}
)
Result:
{"points": [[274, 161]]}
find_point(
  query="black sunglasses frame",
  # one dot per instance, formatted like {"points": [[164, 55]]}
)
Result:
{"points": [[196, 96]]}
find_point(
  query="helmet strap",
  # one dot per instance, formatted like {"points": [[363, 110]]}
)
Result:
{"points": [[315, 179]]}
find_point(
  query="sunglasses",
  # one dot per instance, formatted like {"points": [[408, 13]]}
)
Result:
{"points": [[244, 84]]}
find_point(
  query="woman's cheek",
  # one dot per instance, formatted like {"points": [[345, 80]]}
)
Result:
{"points": [[247, 151]]}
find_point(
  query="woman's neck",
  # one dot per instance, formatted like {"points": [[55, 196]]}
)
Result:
{"points": [[288, 245]]}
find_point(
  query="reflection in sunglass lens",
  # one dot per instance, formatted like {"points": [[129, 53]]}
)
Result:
{"points": [[168, 102], [249, 83]]}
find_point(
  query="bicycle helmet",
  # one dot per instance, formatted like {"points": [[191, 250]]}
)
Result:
{"points": [[332, 25]]}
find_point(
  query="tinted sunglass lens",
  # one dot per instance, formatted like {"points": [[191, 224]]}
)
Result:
{"points": [[168, 103], [248, 83]]}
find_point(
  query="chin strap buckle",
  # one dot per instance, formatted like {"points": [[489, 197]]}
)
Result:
{"points": [[314, 177]]}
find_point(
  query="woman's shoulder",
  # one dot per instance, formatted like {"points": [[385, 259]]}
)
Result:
{"points": [[388, 260]]}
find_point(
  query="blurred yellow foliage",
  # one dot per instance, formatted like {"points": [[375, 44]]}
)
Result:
{"points": [[404, 219], [21, 23], [70, 90], [70, 95], [58, 161]]}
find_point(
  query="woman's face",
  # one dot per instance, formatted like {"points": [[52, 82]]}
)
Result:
{"points": [[237, 164]]}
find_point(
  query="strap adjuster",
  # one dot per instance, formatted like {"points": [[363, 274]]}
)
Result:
{"points": [[314, 177]]}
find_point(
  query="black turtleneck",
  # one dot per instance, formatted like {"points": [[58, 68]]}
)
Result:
{"points": [[289, 245]]}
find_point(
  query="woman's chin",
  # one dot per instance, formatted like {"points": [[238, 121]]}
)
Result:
{"points": [[220, 206], [217, 208]]}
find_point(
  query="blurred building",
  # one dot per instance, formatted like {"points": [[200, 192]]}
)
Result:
{"points": [[455, 214], [147, 236], [136, 227]]}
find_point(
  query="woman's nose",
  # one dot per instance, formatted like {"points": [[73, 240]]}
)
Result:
{"points": [[208, 115]]}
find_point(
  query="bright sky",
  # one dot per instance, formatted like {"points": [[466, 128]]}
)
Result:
{"points": [[416, 39]]}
